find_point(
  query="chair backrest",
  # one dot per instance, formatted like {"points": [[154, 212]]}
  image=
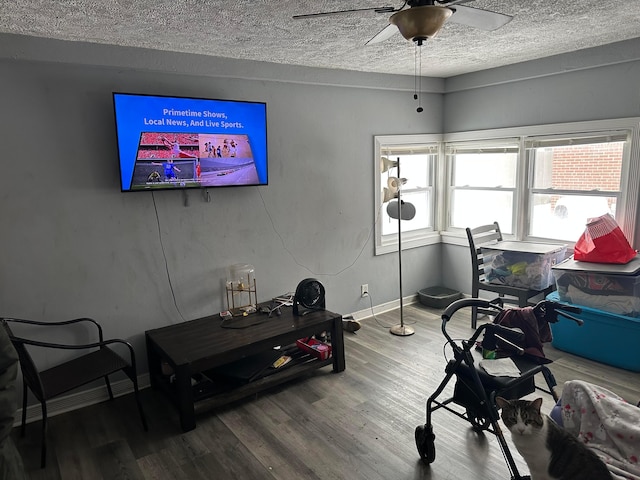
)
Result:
{"points": [[479, 237], [30, 375]]}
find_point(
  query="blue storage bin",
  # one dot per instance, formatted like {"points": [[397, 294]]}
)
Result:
{"points": [[604, 337]]}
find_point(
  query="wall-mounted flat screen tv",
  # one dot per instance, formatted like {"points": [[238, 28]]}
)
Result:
{"points": [[178, 142]]}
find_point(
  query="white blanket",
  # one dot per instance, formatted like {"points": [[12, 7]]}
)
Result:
{"points": [[500, 367], [620, 304], [606, 423]]}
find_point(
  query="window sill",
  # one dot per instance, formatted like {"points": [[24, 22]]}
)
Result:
{"points": [[391, 247]]}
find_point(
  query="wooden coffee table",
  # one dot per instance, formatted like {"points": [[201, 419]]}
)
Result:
{"points": [[192, 348]]}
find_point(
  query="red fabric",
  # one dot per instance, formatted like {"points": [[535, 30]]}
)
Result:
{"points": [[536, 330], [603, 242]]}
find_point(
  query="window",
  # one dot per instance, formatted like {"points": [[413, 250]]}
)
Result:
{"points": [[573, 179], [544, 182], [483, 174], [406, 163]]}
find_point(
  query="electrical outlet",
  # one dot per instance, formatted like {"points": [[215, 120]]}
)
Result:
{"points": [[364, 290]]}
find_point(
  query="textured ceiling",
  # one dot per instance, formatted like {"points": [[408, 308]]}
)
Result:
{"points": [[264, 30]]}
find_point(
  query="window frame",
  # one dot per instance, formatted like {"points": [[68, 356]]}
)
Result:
{"points": [[426, 236], [532, 143], [468, 147], [626, 209]]}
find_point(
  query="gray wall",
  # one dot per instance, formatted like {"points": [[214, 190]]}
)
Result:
{"points": [[73, 245], [592, 84]]}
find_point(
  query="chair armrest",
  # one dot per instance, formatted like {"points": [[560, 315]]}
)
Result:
{"points": [[56, 324], [62, 346]]}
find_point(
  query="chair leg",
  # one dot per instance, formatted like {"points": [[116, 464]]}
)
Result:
{"points": [[43, 454], [474, 317], [131, 373], [523, 301], [24, 408], [140, 411], [475, 293], [106, 380]]}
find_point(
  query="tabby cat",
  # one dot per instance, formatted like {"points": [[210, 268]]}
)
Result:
{"points": [[551, 452]]}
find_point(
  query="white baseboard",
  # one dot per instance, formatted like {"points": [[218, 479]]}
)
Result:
{"points": [[74, 401], [385, 307]]}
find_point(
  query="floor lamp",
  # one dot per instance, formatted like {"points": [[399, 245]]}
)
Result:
{"points": [[401, 329]]}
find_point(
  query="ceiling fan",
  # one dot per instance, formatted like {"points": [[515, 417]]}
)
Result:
{"points": [[424, 18]]}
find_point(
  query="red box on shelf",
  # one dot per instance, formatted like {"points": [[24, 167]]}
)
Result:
{"points": [[314, 347]]}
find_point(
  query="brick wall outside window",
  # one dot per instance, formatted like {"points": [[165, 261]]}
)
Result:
{"points": [[587, 167]]}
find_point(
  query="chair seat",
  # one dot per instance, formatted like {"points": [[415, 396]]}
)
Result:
{"points": [[80, 371]]}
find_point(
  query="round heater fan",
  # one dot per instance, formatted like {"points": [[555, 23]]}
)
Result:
{"points": [[309, 296]]}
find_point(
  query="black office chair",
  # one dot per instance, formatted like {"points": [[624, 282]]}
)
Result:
{"points": [[96, 364], [484, 236]]}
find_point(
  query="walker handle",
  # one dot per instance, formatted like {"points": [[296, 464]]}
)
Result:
{"points": [[468, 302]]}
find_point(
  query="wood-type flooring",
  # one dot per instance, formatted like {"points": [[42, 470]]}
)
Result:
{"points": [[358, 424]]}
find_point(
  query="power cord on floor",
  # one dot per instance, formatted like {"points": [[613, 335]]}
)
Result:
{"points": [[373, 313], [376, 318]]}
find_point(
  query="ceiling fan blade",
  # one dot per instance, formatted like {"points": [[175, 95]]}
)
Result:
{"points": [[384, 34], [477, 18], [340, 12], [455, 2]]}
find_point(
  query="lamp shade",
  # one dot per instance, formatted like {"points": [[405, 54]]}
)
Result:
{"points": [[394, 183], [420, 23], [386, 164], [391, 190], [388, 194]]}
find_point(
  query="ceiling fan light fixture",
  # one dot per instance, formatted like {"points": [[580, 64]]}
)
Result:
{"points": [[420, 23]]}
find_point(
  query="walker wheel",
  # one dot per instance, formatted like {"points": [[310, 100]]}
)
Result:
{"points": [[425, 441]]}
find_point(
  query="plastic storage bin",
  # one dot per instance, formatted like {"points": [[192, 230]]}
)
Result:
{"points": [[607, 287], [605, 337], [438, 297], [522, 264]]}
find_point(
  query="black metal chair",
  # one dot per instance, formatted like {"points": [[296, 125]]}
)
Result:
{"points": [[484, 236], [99, 363]]}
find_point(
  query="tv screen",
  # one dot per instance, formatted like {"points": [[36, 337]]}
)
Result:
{"points": [[177, 142]]}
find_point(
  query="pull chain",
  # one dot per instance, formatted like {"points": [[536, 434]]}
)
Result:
{"points": [[417, 67], [415, 71]]}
